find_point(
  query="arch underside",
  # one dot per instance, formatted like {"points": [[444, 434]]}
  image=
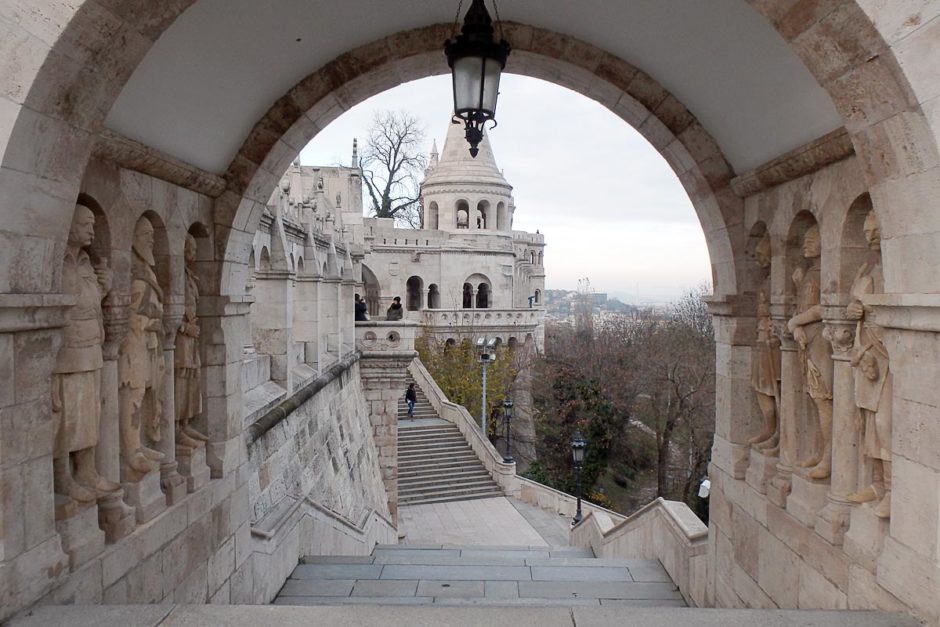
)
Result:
{"points": [[875, 65]]}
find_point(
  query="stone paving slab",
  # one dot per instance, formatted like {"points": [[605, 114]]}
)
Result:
{"points": [[385, 588], [502, 553], [459, 589], [411, 552], [572, 552], [694, 617], [501, 589], [422, 547], [649, 571], [307, 601], [579, 573], [644, 602], [523, 602], [317, 587], [339, 571], [584, 561], [597, 590], [337, 559], [459, 573], [93, 616], [434, 560]]}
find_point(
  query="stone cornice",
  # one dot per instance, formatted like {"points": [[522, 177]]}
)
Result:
{"points": [[804, 160], [136, 156], [451, 188]]}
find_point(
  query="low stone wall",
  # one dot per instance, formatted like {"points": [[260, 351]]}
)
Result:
{"points": [[665, 530]]}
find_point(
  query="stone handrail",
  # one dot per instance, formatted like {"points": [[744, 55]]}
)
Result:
{"points": [[562, 503], [504, 474], [474, 319], [665, 530]]}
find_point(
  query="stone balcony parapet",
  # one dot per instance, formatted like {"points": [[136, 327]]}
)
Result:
{"points": [[381, 336], [472, 319]]}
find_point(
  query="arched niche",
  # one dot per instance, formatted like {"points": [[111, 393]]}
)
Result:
{"points": [[372, 290], [264, 260], [483, 215], [467, 296], [100, 249], [853, 247], [484, 298]]}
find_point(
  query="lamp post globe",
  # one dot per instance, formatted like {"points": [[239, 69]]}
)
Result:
{"points": [[476, 61]]}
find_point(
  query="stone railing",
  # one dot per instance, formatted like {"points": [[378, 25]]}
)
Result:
{"points": [[472, 320], [665, 530], [556, 501], [379, 336]]}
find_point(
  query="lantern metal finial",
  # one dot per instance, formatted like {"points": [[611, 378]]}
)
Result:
{"points": [[476, 61]]}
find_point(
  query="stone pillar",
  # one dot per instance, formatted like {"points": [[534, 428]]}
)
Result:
{"points": [[31, 557], [115, 517], [272, 322], [174, 485], [329, 321], [223, 322], [833, 520], [791, 402], [387, 351], [307, 318]]}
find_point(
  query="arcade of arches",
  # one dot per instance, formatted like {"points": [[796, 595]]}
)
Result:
{"points": [[134, 468]]}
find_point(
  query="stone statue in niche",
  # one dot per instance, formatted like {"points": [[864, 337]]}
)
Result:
{"points": [[872, 376], [765, 361], [141, 367], [815, 352], [76, 379], [187, 365]]}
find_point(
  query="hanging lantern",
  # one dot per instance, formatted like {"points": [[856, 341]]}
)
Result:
{"points": [[476, 61]]}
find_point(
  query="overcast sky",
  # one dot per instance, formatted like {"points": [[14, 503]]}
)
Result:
{"points": [[609, 205]]}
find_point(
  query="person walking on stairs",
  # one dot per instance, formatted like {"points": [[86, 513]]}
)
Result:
{"points": [[411, 397]]}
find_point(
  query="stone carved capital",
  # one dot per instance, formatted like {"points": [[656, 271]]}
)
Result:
{"points": [[841, 334], [115, 311]]}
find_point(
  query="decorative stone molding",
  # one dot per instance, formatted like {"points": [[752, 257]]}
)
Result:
{"points": [[29, 312], [841, 334], [801, 161], [133, 155]]}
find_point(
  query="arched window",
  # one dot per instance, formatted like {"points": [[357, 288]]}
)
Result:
{"points": [[434, 297], [483, 296], [463, 214], [430, 220], [538, 296], [540, 258], [467, 296], [502, 220], [483, 214], [415, 287], [532, 256]]}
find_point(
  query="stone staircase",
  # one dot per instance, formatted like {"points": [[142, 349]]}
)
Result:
{"points": [[435, 463], [495, 575]]}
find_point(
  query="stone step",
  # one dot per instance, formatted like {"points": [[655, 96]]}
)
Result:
{"points": [[440, 466], [435, 493], [492, 610], [452, 497], [445, 471], [426, 486], [436, 453], [406, 437], [430, 430], [431, 446]]}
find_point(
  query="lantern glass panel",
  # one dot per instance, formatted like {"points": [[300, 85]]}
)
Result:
{"points": [[491, 86], [468, 74]]}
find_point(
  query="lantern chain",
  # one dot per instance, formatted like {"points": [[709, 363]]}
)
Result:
{"points": [[499, 20], [457, 18]]}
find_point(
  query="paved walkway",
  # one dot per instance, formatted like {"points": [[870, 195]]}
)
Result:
{"points": [[496, 575], [494, 522]]}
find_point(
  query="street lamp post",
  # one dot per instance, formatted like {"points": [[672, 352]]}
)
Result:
{"points": [[578, 444], [507, 416], [486, 356]]}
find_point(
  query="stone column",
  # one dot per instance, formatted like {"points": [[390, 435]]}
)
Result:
{"points": [[833, 520], [307, 318], [272, 322], [115, 517], [329, 320], [174, 485], [791, 401]]}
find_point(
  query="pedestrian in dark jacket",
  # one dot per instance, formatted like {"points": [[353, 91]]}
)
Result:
{"points": [[411, 397], [362, 310], [395, 311]]}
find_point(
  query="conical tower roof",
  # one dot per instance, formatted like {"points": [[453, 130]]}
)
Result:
{"points": [[457, 166]]}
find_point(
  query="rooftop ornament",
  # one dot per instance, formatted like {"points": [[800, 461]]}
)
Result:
{"points": [[476, 61]]}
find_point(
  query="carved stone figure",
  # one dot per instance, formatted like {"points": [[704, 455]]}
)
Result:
{"points": [[187, 365], [872, 376], [815, 351], [76, 379], [765, 364], [141, 366]]}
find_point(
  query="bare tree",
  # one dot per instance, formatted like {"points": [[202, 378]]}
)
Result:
{"points": [[392, 165]]}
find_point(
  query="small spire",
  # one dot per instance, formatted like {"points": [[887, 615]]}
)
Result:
{"points": [[434, 154], [355, 155]]}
